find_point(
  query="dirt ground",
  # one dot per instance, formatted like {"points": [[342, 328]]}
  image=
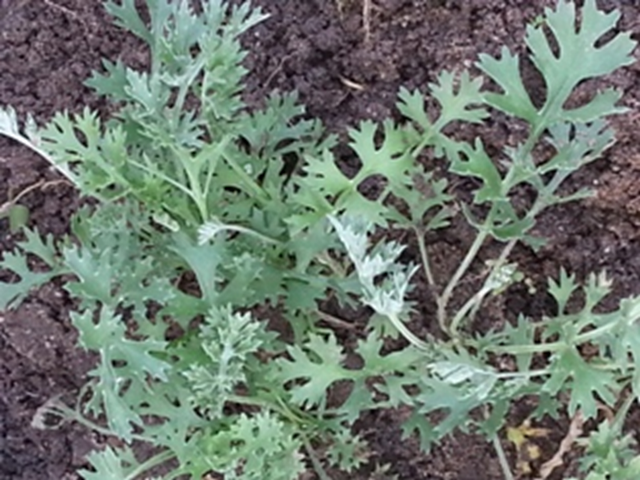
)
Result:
{"points": [[48, 47]]}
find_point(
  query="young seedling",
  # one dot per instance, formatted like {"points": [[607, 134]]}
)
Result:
{"points": [[462, 369]]}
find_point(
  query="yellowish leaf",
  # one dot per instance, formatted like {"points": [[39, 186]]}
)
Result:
{"points": [[526, 450]]}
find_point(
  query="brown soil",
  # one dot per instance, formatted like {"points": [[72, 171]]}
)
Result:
{"points": [[47, 48]]}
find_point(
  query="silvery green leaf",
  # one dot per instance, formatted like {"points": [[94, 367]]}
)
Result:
{"points": [[503, 277], [9, 125], [477, 380], [386, 297], [354, 235], [228, 339], [29, 137]]}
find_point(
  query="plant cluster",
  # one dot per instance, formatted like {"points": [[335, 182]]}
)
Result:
{"points": [[208, 214]]}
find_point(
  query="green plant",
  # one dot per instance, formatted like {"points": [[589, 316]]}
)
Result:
{"points": [[610, 455], [17, 214], [210, 214]]}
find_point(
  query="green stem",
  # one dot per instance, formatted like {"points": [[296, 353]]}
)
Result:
{"points": [[158, 459], [424, 255], [197, 195], [253, 233], [162, 176], [444, 299], [423, 143], [484, 233], [327, 260], [281, 408], [539, 205], [256, 189], [60, 409], [433, 130], [408, 334], [474, 303], [621, 414], [526, 374], [553, 346], [315, 461], [212, 165], [184, 88], [502, 458], [63, 169]]}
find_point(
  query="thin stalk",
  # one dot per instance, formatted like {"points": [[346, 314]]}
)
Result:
{"points": [[526, 349], [203, 94], [279, 407], [621, 414], [315, 461], [408, 334], [444, 299], [60, 409], [483, 292], [424, 255], [553, 346], [472, 304], [485, 230], [197, 195], [4, 207], [335, 321], [62, 168], [502, 458], [327, 260], [185, 87], [159, 459], [294, 416], [162, 176], [256, 189], [429, 134], [527, 374], [423, 143], [537, 207], [248, 231], [213, 164]]}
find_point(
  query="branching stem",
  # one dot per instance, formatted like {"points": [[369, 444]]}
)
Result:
{"points": [[483, 233], [556, 346], [444, 299]]}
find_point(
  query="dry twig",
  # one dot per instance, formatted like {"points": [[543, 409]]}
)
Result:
{"points": [[574, 432], [366, 20]]}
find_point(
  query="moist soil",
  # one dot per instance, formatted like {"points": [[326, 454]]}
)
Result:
{"points": [[344, 73]]}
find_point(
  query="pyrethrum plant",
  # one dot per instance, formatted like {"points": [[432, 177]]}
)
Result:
{"points": [[210, 214]]}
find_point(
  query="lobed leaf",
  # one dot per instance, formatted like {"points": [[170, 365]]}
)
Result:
{"points": [[318, 363], [579, 56]]}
